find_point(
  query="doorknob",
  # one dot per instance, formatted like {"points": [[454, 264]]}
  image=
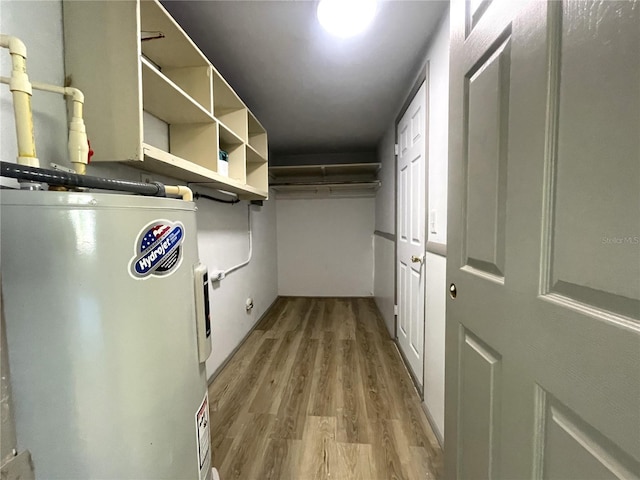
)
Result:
{"points": [[453, 291], [416, 259]]}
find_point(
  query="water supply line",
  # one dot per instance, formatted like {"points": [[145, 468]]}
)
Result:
{"points": [[74, 180], [21, 91], [180, 191], [78, 144]]}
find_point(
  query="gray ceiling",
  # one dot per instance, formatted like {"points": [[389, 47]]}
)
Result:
{"points": [[313, 93]]}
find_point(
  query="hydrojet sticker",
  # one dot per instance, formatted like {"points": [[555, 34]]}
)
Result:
{"points": [[157, 249]]}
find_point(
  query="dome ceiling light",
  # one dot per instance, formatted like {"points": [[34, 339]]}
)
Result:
{"points": [[346, 18]]}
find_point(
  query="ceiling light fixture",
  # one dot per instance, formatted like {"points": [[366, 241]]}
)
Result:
{"points": [[346, 18]]}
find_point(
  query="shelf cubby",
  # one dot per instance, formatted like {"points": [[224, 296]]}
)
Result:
{"points": [[257, 169], [195, 143], [228, 108], [235, 147], [257, 136], [195, 82], [163, 41], [164, 99]]}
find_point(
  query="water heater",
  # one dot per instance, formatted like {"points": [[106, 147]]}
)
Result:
{"points": [[107, 318]]}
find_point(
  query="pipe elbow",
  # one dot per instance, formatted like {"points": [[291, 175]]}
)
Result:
{"points": [[181, 191], [75, 94], [14, 44]]}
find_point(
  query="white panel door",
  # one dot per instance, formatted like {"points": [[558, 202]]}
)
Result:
{"points": [[411, 233], [543, 335]]}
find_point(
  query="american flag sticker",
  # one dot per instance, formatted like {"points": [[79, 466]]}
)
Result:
{"points": [[157, 250]]}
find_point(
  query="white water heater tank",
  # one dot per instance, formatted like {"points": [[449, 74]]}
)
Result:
{"points": [[102, 298]]}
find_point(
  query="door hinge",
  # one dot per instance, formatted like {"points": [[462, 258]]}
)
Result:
{"points": [[395, 310], [396, 149]]}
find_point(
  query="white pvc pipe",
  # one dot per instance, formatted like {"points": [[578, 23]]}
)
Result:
{"points": [[179, 190], [78, 144], [240, 265], [21, 90]]}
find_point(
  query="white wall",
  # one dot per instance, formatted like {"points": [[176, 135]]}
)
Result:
{"points": [[386, 195], [437, 56], [223, 243], [222, 229], [325, 247], [436, 268], [384, 280], [384, 274]]}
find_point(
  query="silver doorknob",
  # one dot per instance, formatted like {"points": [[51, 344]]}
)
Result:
{"points": [[453, 291], [416, 259]]}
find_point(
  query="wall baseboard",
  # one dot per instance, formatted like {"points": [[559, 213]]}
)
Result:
{"points": [[217, 371], [416, 382], [434, 428]]}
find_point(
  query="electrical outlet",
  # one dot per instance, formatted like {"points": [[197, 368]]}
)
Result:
{"points": [[217, 275], [432, 221]]}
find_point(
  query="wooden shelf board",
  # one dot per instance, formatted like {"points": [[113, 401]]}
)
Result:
{"points": [[158, 161], [328, 190], [323, 186], [221, 111], [167, 101], [325, 170], [176, 49]]}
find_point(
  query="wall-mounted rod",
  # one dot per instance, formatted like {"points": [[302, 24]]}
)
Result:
{"points": [[198, 195], [21, 90]]}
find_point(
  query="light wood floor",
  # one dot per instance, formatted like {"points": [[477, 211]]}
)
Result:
{"points": [[318, 391]]}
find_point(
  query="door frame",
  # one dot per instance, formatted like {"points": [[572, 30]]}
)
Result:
{"points": [[422, 77]]}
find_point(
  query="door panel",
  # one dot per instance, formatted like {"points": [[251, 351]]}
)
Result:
{"points": [[474, 11], [416, 290], [417, 189], [411, 238], [593, 177], [480, 376], [487, 115], [543, 338], [403, 213], [570, 447], [403, 291]]}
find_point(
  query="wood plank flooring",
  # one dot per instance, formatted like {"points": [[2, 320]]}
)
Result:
{"points": [[318, 391]]}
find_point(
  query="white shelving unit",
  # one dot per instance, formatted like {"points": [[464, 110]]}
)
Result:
{"points": [[331, 180], [130, 57]]}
